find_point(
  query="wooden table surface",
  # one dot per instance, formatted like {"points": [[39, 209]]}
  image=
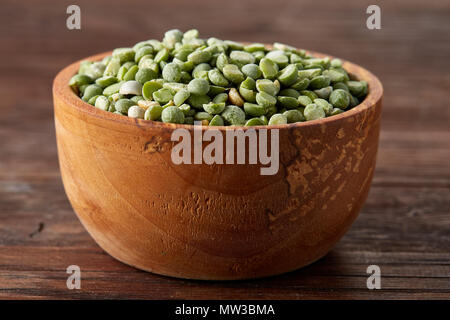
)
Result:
{"points": [[404, 226]]}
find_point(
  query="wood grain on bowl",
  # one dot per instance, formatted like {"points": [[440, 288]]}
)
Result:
{"points": [[214, 221]]}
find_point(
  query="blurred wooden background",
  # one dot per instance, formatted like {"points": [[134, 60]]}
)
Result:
{"points": [[404, 227]]}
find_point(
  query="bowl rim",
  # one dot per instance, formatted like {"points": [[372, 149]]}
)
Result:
{"points": [[62, 90]]}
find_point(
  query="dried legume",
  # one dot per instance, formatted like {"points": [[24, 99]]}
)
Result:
{"points": [[184, 78]]}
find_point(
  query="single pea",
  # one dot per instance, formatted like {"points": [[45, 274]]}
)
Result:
{"points": [[336, 111], [171, 37], [215, 90], [141, 52], [309, 94], [295, 58], [252, 70], [147, 62], [248, 83], [288, 75], [199, 56], [92, 100], [186, 109], [233, 115], [232, 73], [268, 68], [254, 110], [115, 96], [174, 86], [214, 108], [247, 94], [293, 116], [163, 95], [313, 111], [180, 97], [140, 45], [277, 118], [222, 61], [171, 72], [198, 86], [78, 80], [319, 82], [235, 98], [309, 73], [221, 97], [84, 66], [149, 88], [340, 85], [258, 56], [304, 100], [131, 73], [145, 104], [153, 112], [131, 87], [324, 93], [82, 88], [279, 57], [265, 99], [162, 55], [335, 76], [121, 73], [124, 54], [145, 74], [122, 105], [242, 57], [202, 115], [354, 101], [327, 107], [254, 122], [340, 99], [191, 34], [91, 90], [106, 81], [234, 45], [254, 47], [136, 99], [300, 84], [336, 63], [216, 77], [136, 112], [264, 119], [95, 70], [216, 121], [356, 88], [289, 92], [172, 114], [265, 85], [288, 102], [201, 71], [197, 101], [102, 103], [185, 77]]}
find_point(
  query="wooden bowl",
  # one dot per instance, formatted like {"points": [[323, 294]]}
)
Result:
{"points": [[214, 222]]}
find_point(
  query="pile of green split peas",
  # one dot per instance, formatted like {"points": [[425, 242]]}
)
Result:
{"points": [[183, 79]]}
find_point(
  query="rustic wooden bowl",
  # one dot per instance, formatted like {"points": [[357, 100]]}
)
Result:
{"points": [[214, 222]]}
